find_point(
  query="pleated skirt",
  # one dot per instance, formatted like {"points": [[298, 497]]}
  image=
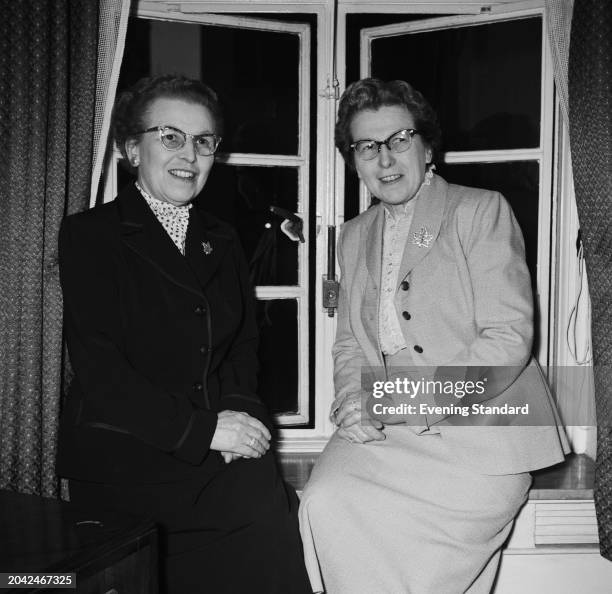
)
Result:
{"points": [[401, 517]]}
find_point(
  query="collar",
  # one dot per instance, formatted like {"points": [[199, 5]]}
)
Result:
{"points": [[160, 207]]}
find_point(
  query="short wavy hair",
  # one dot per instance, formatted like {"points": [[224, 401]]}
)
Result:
{"points": [[132, 105], [372, 94]]}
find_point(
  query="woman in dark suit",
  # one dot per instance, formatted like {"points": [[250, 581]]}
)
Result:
{"points": [[162, 417]]}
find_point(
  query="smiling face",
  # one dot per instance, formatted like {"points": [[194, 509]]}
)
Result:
{"points": [[394, 178], [172, 176]]}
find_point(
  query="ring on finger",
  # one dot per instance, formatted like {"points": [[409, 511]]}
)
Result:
{"points": [[252, 442]]}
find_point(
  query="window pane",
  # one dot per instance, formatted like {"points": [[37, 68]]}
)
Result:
{"points": [[518, 182], [259, 92], [483, 81], [242, 196], [278, 336], [257, 77], [351, 194]]}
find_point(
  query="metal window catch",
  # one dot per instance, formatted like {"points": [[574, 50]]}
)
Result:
{"points": [[331, 286]]}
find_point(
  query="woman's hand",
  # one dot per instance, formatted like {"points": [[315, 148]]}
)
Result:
{"points": [[356, 425], [240, 435]]}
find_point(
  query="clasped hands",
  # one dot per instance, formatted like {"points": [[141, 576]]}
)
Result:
{"points": [[356, 425], [239, 435]]}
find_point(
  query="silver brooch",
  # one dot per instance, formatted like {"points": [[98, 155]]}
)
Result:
{"points": [[422, 237], [206, 248]]}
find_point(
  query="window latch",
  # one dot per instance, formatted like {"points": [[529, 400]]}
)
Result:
{"points": [[331, 286]]}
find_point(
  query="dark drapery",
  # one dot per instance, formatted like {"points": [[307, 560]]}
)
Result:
{"points": [[590, 109], [48, 54]]}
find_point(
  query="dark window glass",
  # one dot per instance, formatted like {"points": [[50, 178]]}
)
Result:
{"points": [[483, 81], [356, 22], [518, 182], [136, 61], [260, 91], [278, 354], [242, 196], [351, 193]]}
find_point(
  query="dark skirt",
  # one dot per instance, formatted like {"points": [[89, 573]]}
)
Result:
{"points": [[230, 532]]}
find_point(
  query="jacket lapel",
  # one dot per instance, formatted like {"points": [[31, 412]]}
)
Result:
{"points": [[205, 245], [374, 245], [142, 233], [425, 226]]}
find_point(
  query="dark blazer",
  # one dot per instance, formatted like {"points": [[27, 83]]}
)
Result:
{"points": [[159, 342]]}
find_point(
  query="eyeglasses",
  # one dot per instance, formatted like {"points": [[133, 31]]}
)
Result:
{"points": [[398, 142], [174, 139]]}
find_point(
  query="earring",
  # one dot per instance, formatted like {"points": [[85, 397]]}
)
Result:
{"points": [[429, 174], [135, 163]]}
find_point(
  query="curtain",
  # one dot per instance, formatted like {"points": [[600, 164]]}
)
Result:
{"points": [[48, 103], [590, 106], [558, 26], [113, 20]]}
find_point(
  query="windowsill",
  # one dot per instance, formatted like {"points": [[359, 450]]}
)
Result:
{"points": [[572, 479]]}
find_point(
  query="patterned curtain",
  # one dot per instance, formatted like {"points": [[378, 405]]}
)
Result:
{"points": [[112, 26], [559, 21], [48, 74], [590, 106]]}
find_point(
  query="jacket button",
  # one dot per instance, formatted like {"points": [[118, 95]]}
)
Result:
{"points": [[405, 285], [199, 310], [406, 315], [197, 387], [203, 349], [418, 348]]}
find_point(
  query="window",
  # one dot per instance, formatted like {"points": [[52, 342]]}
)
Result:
{"points": [[488, 75], [494, 99], [263, 161], [262, 67]]}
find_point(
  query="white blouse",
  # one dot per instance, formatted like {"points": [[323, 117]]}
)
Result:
{"points": [[395, 238]]}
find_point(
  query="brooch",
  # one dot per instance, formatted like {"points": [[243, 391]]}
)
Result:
{"points": [[422, 238], [206, 248]]}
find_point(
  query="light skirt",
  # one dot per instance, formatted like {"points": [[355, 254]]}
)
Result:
{"points": [[401, 517]]}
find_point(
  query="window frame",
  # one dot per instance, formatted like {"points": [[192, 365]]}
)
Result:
{"points": [[329, 167], [543, 155]]}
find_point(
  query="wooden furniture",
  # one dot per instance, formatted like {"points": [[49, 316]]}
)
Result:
{"points": [[110, 553]]}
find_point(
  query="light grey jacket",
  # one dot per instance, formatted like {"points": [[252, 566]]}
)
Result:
{"points": [[468, 303]]}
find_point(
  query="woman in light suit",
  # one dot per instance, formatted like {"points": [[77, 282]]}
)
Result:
{"points": [[434, 286]]}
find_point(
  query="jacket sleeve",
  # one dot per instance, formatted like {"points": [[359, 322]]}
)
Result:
{"points": [[349, 359], [503, 304], [238, 370], [116, 396]]}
